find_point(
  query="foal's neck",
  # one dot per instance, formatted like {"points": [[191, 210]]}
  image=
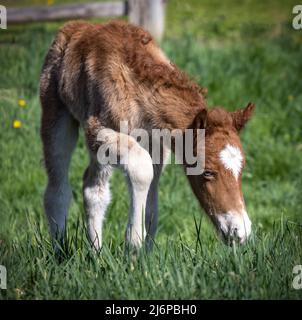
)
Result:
{"points": [[176, 108]]}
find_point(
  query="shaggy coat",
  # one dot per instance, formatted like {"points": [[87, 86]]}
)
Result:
{"points": [[112, 72], [97, 75]]}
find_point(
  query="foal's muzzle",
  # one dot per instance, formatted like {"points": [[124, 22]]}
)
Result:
{"points": [[233, 226]]}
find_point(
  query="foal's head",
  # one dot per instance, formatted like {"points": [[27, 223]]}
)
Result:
{"points": [[218, 188]]}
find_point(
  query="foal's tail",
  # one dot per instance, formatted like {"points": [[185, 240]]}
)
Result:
{"points": [[52, 67]]}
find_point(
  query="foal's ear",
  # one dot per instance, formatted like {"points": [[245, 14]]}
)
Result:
{"points": [[242, 116], [200, 120]]}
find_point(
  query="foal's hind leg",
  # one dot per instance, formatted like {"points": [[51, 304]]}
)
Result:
{"points": [[59, 133], [96, 193]]}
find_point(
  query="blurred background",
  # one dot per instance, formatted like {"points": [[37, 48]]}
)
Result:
{"points": [[241, 51]]}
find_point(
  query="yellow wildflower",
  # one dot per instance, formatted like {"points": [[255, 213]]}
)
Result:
{"points": [[19, 293], [50, 2], [17, 124], [21, 103]]}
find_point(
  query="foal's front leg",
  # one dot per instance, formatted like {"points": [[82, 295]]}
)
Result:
{"points": [[139, 172], [151, 216], [136, 162], [152, 200]]}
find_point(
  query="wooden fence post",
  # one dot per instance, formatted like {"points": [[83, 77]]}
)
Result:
{"points": [[150, 14]]}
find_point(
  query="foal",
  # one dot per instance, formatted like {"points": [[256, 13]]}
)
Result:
{"points": [[96, 76]]}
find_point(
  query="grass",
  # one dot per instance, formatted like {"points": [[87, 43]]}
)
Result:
{"points": [[249, 55]]}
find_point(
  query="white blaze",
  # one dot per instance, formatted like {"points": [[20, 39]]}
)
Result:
{"points": [[232, 158]]}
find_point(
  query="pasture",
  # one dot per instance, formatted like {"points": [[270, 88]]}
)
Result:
{"points": [[241, 53]]}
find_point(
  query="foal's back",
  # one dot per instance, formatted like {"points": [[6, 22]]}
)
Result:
{"points": [[102, 70]]}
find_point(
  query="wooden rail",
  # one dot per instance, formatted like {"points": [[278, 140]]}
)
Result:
{"points": [[62, 12], [146, 13]]}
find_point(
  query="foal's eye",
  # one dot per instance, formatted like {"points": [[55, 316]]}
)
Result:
{"points": [[208, 174]]}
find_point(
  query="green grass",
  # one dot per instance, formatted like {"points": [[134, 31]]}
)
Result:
{"points": [[249, 55]]}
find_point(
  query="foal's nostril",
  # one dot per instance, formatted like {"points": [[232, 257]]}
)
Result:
{"points": [[234, 228], [233, 236]]}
